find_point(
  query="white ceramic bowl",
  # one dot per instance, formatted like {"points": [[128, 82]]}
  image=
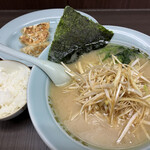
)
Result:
{"points": [[9, 68], [14, 114]]}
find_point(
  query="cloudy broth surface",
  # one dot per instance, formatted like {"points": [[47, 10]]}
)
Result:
{"points": [[94, 130]]}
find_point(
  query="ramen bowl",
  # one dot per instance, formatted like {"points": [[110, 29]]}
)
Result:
{"points": [[42, 115]]}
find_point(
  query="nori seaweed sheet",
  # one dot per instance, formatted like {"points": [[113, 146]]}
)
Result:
{"points": [[75, 35]]}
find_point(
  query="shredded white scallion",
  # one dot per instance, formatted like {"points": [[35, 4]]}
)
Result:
{"points": [[114, 90]]}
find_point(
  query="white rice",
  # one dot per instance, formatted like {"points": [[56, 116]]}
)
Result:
{"points": [[13, 87]]}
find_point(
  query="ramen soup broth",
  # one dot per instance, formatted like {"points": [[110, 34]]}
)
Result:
{"points": [[94, 129]]}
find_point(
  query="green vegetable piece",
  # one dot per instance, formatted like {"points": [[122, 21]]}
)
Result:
{"points": [[146, 89], [124, 54], [75, 35]]}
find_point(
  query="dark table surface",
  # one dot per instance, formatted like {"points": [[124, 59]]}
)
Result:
{"points": [[19, 133]]}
